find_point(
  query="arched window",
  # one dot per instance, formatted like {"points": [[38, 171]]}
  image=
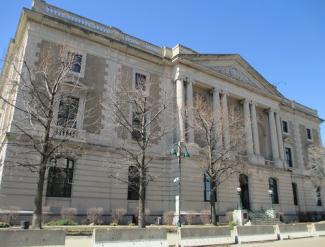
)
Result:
{"points": [[207, 189], [273, 186], [244, 195], [133, 183]]}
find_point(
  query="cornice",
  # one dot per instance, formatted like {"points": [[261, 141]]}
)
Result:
{"points": [[70, 28]]}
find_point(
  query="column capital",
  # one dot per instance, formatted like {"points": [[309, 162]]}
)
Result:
{"points": [[215, 90], [270, 110], [246, 101], [224, 92]]}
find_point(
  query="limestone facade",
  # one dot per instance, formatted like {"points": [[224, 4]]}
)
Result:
{"points": [[112, 58]]}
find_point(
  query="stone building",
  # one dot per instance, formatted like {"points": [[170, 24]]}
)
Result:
{"points": [[277, 140]]}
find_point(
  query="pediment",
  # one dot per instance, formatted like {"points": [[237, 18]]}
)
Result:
{"points": [[235, 68]]}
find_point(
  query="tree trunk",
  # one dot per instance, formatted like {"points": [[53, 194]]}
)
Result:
{"points": [[213, 213], [37, 213], [213, 202], [141, 219]]}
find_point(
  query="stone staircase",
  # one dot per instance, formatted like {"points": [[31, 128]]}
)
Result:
{"points": [[264, 217]]}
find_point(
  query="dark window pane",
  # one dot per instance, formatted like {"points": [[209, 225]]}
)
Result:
{"points": [[136, 124], [60, 179], [273, 186], [309, 134], [207, 189], [68, 111], [289, 156], [76, 62], [133, 183], [295, 193], [285, 126], [140, 81], [319, 196]]}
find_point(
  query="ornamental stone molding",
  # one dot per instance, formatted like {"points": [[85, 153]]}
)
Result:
{"points": [[234, 73]]}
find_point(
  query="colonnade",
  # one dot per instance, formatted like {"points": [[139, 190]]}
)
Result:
{"points": [[184, 96]]}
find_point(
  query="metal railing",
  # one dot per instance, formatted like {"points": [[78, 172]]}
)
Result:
{"points": [[45, 8]]}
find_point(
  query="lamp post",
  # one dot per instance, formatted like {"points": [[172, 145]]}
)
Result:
{"points": [[271, 199], [180, 150]]}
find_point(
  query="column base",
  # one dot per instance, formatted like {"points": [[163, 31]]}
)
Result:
{"points": [[256, 159], [278, 163]]}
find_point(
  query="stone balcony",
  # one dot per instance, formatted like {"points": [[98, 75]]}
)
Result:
{"points": [[72, 134]]}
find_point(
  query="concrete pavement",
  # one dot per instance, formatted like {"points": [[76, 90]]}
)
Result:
{"points": [[85, 241], [304, 242]]}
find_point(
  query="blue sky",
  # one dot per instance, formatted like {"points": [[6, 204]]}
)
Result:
{"points": [[283, 40]]}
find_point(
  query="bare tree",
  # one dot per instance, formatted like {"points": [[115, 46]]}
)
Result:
{"points": [[45, 113], [144, 128], [220, 158]]}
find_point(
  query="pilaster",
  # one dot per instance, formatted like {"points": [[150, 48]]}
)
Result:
{"points": [[189, 104], [225, 119], [180, 107]]}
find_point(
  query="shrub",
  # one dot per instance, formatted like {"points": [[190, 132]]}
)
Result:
{"points": [[62, 222], [190, 216], [118, 215], [205, 217], [94, 215], [13, 215], [68, 213], [168, 217], [4, 225], [231, 225], [46, 210], [113, 224]]}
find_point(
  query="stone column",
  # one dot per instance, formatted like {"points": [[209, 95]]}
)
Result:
{"points": [[255, 131], [180, 107], [280, 138], [274, 137], [248, 128], [225, 119], [189, 99], [217, 115]]}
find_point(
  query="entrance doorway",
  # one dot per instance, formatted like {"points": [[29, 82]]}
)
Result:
{"points": [[243, 183]]}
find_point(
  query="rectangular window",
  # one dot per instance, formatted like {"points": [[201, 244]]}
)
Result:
{"points": [[140, 81], [273, 187], [285, 128], [319, 196], [133, 183], [60, 178], [289, 156], [295, 194], [207, 189], [309, 135], [76, 60], [68, 111], [136, 125]]}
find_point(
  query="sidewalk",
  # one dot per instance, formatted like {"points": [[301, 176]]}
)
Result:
{"points": [[85, 241], [304, 242]]}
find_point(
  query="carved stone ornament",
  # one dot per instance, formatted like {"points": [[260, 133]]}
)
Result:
{"points": [[234, 73]]}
